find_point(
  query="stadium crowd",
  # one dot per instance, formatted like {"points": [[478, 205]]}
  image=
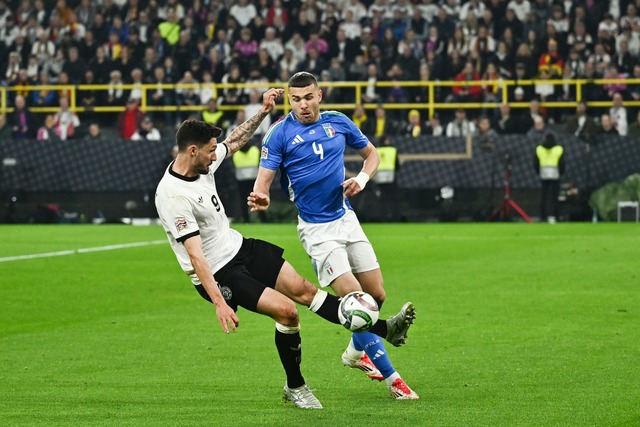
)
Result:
{"points": [[116, 42]]}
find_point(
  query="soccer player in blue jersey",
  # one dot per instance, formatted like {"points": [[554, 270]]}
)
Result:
{"points": [[308, 147]]}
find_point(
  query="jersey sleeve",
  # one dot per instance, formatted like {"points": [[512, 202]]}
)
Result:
{"points": [[273, 145], [177, 215], [354, 136]]}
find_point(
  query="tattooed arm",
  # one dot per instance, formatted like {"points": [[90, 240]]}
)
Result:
{"points": [[243, 133]]}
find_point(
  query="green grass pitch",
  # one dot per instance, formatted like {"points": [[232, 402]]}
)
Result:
{"points": [[518, 325]]}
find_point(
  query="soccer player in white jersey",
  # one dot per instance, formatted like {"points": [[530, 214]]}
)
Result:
{"points": [[308, 147], [229, 270]]}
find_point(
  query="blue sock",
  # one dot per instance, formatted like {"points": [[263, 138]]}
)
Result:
{"points": [[374, 347]]}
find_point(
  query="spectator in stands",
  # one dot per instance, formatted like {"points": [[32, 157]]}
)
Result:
{"points": [[129, 120], [617, 87], [467, 93], [43, 48], [101, 66], [433, 127], [159, 96], [94, 133], [379, 124], [33, 69], [212, 115], [46, 96], [580, 40], [125, 63], [359, 116], [47, 131], [115, 92], [89, 98], [538, 130], [314, 62], [372, 93], [233, 95], [22, 120], [413, 126], [243, 12], [460, 126], [623, 59], [288, 62], [581, 124], [264, 66], [330, 94], [544, 90], [13, 67], [506, 124], [618, 114], [170, 28], [599, 58], [396, 93], [551, 61], [343, 48], [482, 43], [590, 90], [136, 81], [54, 66], [22, 46], [606, 126], [408, 63], [485, 135], [187, 96], [146, 131], [66, 121], [297, 45], [86, 12], [9, 31], [491, 92], [317, 44], [272, 44], [359, 70]]}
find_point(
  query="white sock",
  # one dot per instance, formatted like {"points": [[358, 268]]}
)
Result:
{"points": [[318, 300], [352, 353], [391, 378]]}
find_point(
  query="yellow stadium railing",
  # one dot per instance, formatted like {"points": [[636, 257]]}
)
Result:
{"points": [[431, 106]]}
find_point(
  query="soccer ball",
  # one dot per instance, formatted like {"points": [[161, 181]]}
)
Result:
{"points": [[358, 311]]}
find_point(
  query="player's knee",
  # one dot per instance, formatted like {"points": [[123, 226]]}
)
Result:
{"points": [[288, 315], [306, 292]]}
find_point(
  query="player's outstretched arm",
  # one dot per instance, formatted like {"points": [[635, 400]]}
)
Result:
{"points": [[243, 133], [226, 316], [258, 199]]}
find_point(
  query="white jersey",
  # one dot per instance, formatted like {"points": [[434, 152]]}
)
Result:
{"points": [[190, 206]]}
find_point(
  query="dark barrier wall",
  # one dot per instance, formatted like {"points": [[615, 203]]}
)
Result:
{"points": [[117, 166], [609, 159]]}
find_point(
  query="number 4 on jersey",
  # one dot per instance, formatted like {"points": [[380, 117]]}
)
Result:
{"points": [[317, 148]]}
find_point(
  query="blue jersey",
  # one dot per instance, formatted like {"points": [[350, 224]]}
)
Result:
{"points": [[311, 161]]}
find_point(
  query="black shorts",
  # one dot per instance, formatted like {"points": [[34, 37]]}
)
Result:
{"points": [[243, 279]]}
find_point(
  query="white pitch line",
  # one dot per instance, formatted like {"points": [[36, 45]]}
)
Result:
{"points": [[83, 250]]}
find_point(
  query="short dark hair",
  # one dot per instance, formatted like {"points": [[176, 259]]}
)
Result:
{"points": [[195, 132], [303, 79]]}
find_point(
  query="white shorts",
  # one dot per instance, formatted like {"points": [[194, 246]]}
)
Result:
{"points": [[337, 247]]}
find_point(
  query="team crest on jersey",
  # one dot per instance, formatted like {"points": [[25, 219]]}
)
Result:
{"points": [[327, 267], [264, 154], [226, 292], [329, 130], [181, 224]]}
